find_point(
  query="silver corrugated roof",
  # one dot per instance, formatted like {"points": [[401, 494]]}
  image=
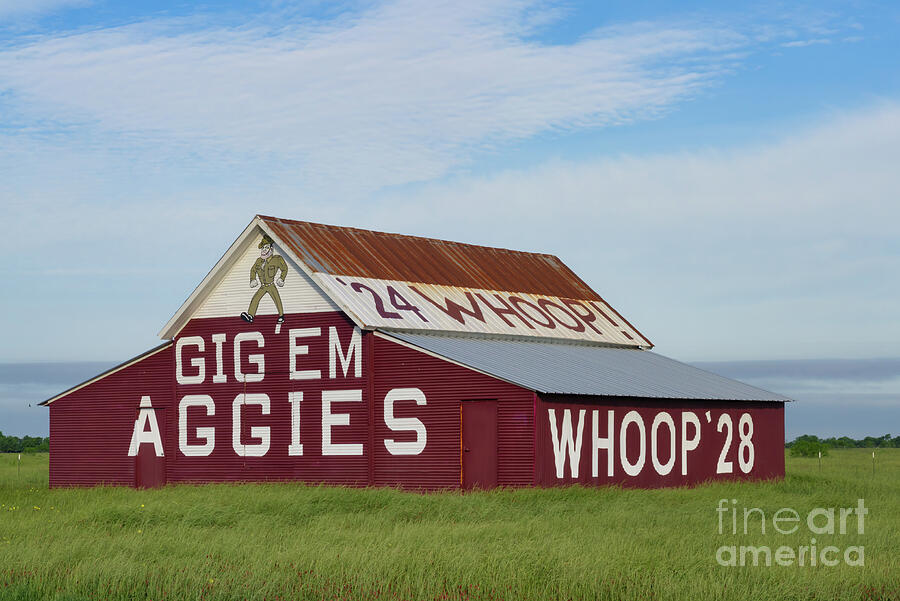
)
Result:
{"points": [[559, 368]]}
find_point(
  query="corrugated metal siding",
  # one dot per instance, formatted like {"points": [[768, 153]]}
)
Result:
{"points": [[767, 440], [587, 370], [364, 253], [223, 464], [90, 429], [232, 293], [445, 386]]}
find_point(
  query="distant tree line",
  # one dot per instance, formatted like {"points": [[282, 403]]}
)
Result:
{"points": [[806, 445], [26, 444], [810, 445]]}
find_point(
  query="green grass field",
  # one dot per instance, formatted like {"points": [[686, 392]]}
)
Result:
{"points": [[289, 541]]}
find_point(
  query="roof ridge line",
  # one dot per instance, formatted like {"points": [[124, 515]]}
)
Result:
{"points": [[394, 234]]}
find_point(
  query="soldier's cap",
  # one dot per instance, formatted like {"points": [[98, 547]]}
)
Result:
{"points": [[265, 240]]}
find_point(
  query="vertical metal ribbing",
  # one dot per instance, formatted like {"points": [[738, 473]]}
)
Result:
{"points": [[370, 398], [534, 448]]}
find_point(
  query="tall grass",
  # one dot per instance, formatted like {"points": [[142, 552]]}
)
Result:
{"points": [[290, 541]]}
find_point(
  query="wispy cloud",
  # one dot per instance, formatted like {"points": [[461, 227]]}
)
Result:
{"points": [[396, 93], [29, 8], [803, 43], [802, 183]]}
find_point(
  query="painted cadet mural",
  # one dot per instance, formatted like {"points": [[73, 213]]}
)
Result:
{"points": [[264, 273]]}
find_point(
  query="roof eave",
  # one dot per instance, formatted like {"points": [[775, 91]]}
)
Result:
{"points": [[108, 372], [422, 342], [510, 337], [207, 284]]}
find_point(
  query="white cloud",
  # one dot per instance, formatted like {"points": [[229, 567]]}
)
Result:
{"points": [[803, 43], [847, 159], [399, 93], [20, 8]]}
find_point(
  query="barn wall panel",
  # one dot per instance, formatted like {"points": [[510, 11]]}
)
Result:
{"points": [[91, 428], [703, 463], [224, 464], [446, 386]]}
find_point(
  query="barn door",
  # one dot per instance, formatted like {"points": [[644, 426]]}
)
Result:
{"points": [[479, 444], [149, 467]]}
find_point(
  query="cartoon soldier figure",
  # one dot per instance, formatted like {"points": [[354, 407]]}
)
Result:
{"points": [[266, 268]]}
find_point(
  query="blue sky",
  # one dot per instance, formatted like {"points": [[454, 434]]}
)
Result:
{"points": [[724, 175]]}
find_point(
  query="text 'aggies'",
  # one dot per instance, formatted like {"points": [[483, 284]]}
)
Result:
{"points": [[191, 369]]}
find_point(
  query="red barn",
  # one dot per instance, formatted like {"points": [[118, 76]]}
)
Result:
{"points": [[346, 356]]}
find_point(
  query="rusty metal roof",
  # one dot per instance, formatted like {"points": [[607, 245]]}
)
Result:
{"points": [[364, 253]]}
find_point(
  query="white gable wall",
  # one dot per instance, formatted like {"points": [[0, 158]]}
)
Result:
{"points": [[232, 294]]}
